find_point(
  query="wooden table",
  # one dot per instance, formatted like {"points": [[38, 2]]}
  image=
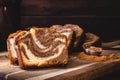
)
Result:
{"points": [[74, 70]]}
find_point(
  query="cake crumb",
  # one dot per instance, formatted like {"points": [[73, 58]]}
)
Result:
{"points": [[101, 58]]}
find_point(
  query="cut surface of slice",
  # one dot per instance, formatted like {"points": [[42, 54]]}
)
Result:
{"points": [[42, 47]]}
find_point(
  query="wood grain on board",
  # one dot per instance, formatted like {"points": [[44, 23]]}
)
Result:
{"points": [[74, 70]]}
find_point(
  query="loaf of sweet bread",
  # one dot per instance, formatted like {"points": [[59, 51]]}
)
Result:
{"points": [[41, 47]]}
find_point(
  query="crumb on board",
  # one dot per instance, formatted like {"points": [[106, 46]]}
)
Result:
{"points": [[93, 58]]}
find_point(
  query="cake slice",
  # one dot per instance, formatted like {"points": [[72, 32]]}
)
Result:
{"points": [[78, 33], [42, 47], [68, 32], [11, 45], [77, 39], [92, 44], [91, 40]]}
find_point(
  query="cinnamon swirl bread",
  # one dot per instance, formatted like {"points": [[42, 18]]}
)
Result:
{"points": [[91, 40], [11, 45], [42, 47], [78, 33], [68, 32]]}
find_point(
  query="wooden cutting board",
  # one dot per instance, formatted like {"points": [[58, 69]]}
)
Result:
{"points": [[74, 70]]}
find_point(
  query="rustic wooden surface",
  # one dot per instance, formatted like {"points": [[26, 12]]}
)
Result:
{"points": [[75, 70]]}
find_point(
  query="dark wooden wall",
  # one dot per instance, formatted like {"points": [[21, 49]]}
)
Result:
{"points": [[9, 20], [98, 16], [68, 7]]}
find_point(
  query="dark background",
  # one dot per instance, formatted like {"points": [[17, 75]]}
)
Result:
{"points": [[101, 17]]}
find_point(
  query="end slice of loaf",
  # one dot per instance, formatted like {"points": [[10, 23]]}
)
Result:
{"points": [[11, 45], [91, 40]]}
